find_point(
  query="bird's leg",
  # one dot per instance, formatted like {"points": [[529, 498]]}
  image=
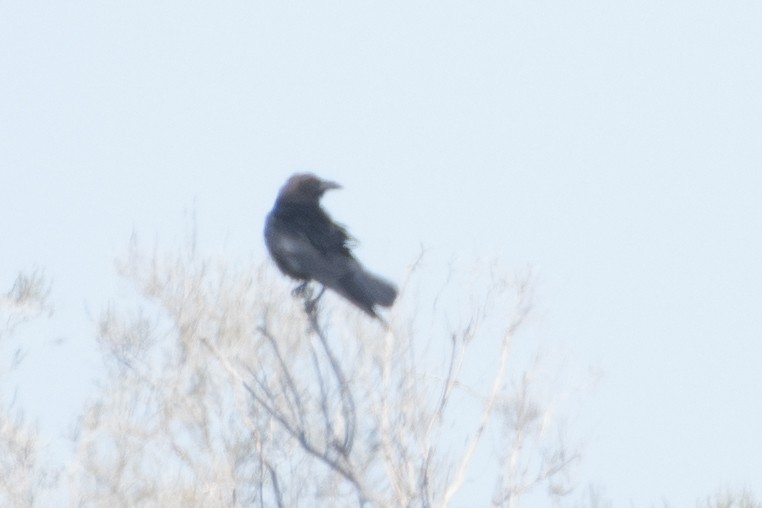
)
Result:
{"points": [[310, 304]]}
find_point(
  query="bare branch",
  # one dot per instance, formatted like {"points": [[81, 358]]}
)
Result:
{"points": [[471, 447]]}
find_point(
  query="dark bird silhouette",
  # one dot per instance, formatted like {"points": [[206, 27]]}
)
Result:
{"points": [[307, 245]]}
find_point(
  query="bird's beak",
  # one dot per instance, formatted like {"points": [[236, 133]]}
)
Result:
{"points": [[326, 185]]}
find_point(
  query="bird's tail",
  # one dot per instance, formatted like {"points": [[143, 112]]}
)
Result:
{"points": [[367, 290]]}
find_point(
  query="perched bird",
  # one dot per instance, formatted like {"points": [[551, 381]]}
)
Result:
{"points": [[307, 245]]}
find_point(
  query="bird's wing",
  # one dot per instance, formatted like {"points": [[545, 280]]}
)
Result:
{"points": [[313, 224]]}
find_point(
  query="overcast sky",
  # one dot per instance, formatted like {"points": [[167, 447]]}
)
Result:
{"points": [[615, 147]]}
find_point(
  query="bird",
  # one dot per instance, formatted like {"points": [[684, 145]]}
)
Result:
{"points": [[306, 245]]}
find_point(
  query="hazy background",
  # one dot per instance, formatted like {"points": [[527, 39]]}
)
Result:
{"points": [[614, 147]]}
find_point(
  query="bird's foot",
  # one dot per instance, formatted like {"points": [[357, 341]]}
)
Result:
{"points": [[310, 304], [302, 289]]}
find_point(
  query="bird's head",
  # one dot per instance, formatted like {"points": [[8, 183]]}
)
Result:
{"points": [[305, 188]]}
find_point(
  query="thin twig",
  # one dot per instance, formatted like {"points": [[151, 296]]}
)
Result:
{"points": [[489, 406], [347, 400]]}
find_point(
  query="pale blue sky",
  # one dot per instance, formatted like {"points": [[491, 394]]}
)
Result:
{"points": [[614, 146]]}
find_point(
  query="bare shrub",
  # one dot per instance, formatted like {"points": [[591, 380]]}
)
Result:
{"points": [[224, 392]]}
